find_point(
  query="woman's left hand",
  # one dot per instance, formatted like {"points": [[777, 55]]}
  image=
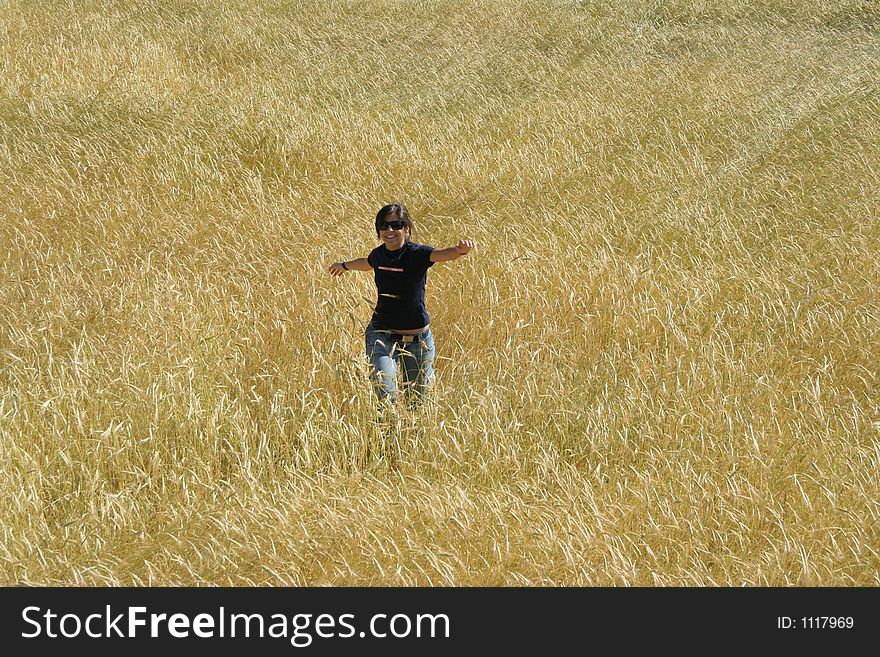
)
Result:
{"points": [[464, 246]]}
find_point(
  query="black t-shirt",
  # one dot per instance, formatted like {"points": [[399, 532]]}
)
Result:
{"points": [[400, 282]]}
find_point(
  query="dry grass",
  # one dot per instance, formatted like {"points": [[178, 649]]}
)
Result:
{"points": [[659, 368]]}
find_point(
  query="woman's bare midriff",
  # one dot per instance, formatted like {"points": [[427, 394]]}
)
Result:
{"points": [[409, 331]]}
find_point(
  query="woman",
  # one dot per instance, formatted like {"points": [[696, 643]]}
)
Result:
{"points": [[399, 334]]}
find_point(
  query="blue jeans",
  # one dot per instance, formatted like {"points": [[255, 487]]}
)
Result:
{"points": [[388, 352]]}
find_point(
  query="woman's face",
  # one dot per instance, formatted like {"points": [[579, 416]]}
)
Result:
{"points": [[393, 234]]}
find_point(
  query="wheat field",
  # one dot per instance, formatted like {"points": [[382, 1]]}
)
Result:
{"points": [[659, 367]]}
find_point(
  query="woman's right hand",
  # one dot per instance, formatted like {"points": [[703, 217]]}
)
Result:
{"points": [[336, 269]]}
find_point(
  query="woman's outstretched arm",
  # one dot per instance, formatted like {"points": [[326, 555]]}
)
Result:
{"points": [[339, 268], [445, 255]]}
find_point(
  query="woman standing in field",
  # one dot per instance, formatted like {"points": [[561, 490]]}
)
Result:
{"points": [[399, 333]]}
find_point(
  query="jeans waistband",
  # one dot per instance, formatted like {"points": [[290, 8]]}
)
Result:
{"points": [[402, 337]]}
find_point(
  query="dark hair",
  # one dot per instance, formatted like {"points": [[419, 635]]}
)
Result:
{"points": [[394, 211]]}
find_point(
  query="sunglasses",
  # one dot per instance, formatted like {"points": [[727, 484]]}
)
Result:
{"points": [[393, 225]]}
